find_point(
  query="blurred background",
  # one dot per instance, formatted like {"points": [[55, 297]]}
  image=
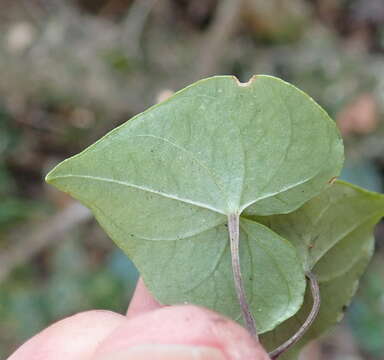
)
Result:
{"points": [[71, 70]]}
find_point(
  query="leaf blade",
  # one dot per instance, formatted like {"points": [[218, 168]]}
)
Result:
{"points": [[336, 296], [342, 257], [213, 149]]}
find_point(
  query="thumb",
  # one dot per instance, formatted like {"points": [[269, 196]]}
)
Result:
{"points": [[184, 332]]}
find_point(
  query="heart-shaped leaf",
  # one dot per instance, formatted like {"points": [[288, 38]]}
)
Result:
{"points": [[164, 184], [199, 268], [333, 233]]}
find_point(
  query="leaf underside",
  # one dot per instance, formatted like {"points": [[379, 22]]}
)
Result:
{"points": [[163, 184], [333, 235]]}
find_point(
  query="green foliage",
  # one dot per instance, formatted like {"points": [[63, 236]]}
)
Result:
{"points": [[333, 235], [8, 135], [366, 316], [164, 184], [13, 208], [75, 283]]}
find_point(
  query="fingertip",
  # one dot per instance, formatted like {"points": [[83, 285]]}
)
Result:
{"points": [[185, 325], [73, 338]]}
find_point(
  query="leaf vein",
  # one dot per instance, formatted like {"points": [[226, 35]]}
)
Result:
{"points": [[143, 188], [211, 172]]}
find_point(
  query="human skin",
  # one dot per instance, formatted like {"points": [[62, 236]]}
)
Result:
{"points": [[148, 331]]}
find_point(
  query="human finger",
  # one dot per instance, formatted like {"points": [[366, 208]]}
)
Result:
{"points": [[73, 338], [180, 332]]}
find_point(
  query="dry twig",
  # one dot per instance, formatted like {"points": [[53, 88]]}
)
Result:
{"points": [[50, 232], [214, 44]]}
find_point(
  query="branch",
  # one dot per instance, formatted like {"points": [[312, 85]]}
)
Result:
{"points": [[234, 235], [315, 291], [224, 23], [50, 232], [134, 24]]}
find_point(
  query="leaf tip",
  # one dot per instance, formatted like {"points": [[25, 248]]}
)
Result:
{"points": [[48, 178], [51, 176], [245, 84]]}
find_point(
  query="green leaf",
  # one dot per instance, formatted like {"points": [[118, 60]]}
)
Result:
{"points": [[333, 234], [336, 295], [337, 223], [180, 271], [167, 180]]}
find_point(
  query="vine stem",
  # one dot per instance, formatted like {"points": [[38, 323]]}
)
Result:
{"points": [[315, 291], [234, 239]]}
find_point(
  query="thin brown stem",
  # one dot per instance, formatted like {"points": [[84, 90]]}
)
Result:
{"points": [[315, 291], [234, 237], [226, 19]]}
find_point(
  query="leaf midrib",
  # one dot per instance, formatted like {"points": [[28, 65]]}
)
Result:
{"points": [[216, 179], [139, 187]]}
